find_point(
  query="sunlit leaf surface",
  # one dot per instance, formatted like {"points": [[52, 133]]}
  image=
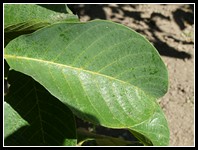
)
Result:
{"points": [[105, 72]]}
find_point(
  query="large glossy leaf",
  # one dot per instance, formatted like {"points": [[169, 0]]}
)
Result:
{"points": [[34, 117], [99, 68]]}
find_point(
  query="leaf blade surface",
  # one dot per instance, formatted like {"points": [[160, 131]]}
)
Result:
{"points": [[99, 68]]}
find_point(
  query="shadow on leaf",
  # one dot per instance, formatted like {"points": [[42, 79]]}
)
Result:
{"points": [[50, 121]]}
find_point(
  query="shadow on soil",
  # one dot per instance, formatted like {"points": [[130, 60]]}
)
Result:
{"points": [[96, 11]]}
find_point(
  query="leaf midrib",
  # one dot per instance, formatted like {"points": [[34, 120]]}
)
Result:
{"points": [[71, 67]]}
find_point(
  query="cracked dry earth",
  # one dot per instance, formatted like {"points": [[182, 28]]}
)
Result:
{"points": [[170, 27]]}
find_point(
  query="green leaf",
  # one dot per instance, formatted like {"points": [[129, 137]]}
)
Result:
{"points": [[99, 68], [101, 140], [12, 120], [155, 128], [32, 116], [32, 17], [25, 18]]}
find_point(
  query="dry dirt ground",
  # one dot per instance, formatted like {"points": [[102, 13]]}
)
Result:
{"points": [[170, 27]]}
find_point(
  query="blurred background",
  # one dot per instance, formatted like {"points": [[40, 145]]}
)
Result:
{"points": [[170, 28]]}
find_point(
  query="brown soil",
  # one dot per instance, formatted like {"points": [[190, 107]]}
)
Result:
{"points": [[170, 27]]}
